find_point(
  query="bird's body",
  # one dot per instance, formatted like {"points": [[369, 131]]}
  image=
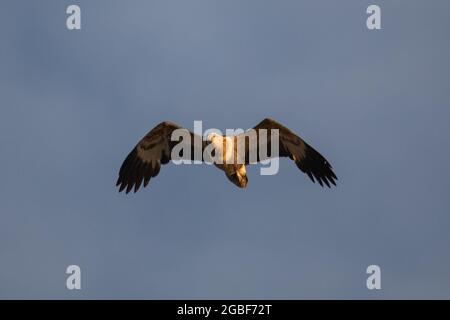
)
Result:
{"points": [[233, 153], [235, 171]]}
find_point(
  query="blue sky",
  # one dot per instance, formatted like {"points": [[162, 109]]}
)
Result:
{"points": [[375, 103]]}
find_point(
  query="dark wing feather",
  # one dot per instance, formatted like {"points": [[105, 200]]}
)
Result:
{"points": [[305, 157], [145, 160]]}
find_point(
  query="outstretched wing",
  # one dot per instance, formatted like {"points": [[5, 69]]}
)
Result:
{"points": [[305, 157], [145, 160]]}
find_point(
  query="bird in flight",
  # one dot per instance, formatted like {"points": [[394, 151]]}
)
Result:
{"points": [[155, 149]]}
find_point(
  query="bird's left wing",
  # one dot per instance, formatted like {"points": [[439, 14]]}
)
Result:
{"points": [[152, 151]]}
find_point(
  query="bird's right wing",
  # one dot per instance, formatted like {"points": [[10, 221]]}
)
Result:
{"points": [[291, 145]]}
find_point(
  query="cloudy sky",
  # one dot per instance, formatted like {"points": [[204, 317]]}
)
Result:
{"points": [[375, 103]]}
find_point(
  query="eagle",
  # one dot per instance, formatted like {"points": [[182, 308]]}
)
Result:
{"points": [[155, 149]]}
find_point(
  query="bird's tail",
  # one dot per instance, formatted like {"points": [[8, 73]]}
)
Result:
{"points": [[239, 180]]}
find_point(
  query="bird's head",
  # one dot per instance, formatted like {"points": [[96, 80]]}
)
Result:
{"points": [[210, 137]]}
